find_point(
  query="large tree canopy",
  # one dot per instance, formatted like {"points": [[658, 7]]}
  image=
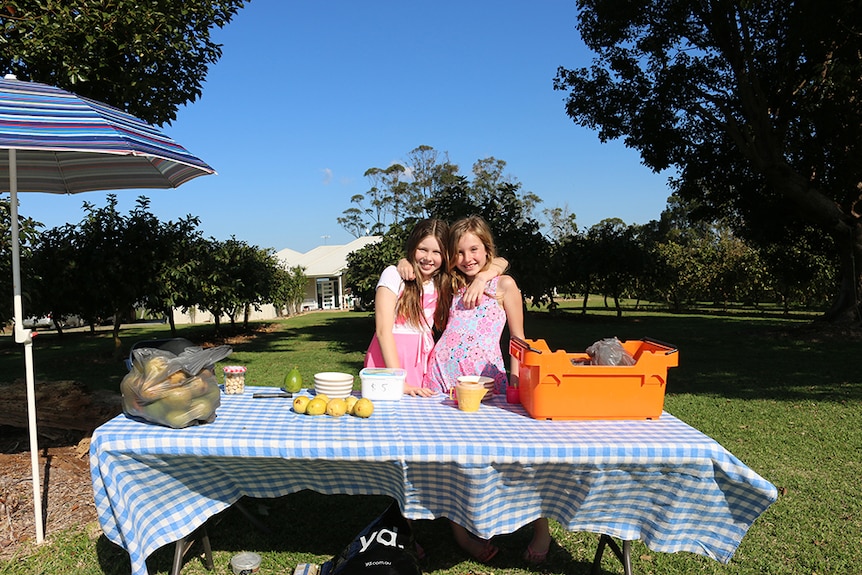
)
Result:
{"points": [[147, 59], [757, 104]]}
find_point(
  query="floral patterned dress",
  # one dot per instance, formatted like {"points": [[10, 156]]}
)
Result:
{"points": [[470, 344]]}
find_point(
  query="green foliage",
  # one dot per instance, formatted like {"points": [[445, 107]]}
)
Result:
{"points": [[235, 275], [174, 254], [492, 195], [365, 265], [54, 274], [146, 59], [756, 105], [289, 289], [776, 392], [28, 232], [115, 264], [111, 264]]}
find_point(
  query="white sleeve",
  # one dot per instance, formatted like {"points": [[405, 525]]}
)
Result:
{"points": [[391, 280]]}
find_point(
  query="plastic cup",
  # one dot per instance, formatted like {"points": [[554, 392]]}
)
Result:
{"points": [[470, 396]]}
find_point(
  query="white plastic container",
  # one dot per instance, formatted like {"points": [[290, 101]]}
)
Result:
{"points": [[245, 563], [383, 383]]}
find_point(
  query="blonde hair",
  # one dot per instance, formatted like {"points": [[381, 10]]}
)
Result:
{"points": [[470, 225]]}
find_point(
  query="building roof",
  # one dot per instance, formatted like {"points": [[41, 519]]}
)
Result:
{"points": [[324, 261]]}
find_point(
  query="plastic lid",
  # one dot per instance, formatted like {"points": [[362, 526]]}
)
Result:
{"points": [[383, 372], [245, 560], [234, 369]]}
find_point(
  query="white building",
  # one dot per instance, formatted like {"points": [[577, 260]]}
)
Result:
{"points": [[324, 267]]}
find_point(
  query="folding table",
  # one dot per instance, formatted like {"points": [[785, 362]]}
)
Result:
{"points": [[493, 471]]}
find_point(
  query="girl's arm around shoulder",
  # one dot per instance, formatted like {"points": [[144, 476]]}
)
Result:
{"points": [[507, 286], [476, 288]]}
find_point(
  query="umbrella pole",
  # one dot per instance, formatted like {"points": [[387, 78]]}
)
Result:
{"points": [[25, 336]]}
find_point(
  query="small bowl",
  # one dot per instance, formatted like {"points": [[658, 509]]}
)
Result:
{"points": [[488, 382], [333, 384]]}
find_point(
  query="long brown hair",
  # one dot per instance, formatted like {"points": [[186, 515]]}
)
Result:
{"points": [[409, 304], [470, 225]]}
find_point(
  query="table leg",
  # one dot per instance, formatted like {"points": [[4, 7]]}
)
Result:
{"points": [[185, 544], [624, 555]]}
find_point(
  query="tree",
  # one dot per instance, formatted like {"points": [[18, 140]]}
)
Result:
{"points": [[116, 265], [402, 191], [615, 259], [174, 253], [54, 274], [561, 222], [258, 271], [294, 289], [431, 171], [356, 220], [218, 288], [147, 59], [365, 265], [28, 232], [756, 104]]}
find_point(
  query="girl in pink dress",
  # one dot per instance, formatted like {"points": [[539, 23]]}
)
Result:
{"points": [[406, 312], [470, 345]]}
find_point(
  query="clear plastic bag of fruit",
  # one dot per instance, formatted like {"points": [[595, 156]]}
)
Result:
{"points": [[173, 390]]}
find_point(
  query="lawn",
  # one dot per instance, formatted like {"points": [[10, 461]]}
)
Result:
{"points": [[781, 395]]}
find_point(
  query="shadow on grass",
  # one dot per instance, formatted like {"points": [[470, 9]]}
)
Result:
{"points": [[728, 356], [733, 357], [310, 527], [345, 334]]}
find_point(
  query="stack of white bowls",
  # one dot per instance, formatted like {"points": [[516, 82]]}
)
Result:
{"points": [[333, 384]]}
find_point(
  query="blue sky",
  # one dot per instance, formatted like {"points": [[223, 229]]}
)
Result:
{"points": [[310, 94]]}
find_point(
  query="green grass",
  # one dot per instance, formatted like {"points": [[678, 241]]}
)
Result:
{"points": [[783, 397]]}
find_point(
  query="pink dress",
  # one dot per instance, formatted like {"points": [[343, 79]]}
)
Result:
{"points": [[470, 344], [413, 343]]}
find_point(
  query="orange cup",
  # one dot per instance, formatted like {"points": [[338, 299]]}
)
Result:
{"points": [[470, 395]]}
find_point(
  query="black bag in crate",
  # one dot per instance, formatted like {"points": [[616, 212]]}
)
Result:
{"points": [[385, 547]]}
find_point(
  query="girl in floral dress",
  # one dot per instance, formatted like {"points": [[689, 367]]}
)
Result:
{"points": [[470, 345]]}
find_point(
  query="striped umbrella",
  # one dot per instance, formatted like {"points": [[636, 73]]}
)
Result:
{"points": [[61, 143]]}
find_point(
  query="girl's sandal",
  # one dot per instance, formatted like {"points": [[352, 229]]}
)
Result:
{"points": [[534, 558], [488, 552]]}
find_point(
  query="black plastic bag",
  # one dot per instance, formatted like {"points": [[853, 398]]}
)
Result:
{"points": [[609, 351], [385, 547]]}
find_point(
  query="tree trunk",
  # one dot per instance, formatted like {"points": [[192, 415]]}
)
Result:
{"points": [[845, 228], [845, 308], [118, 344], [169, 313]]}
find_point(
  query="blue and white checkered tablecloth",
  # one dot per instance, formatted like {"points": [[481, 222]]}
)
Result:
{"points": [[494, 471]]}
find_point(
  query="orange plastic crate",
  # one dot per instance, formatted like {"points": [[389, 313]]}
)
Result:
{"points": [[552, 387]]}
